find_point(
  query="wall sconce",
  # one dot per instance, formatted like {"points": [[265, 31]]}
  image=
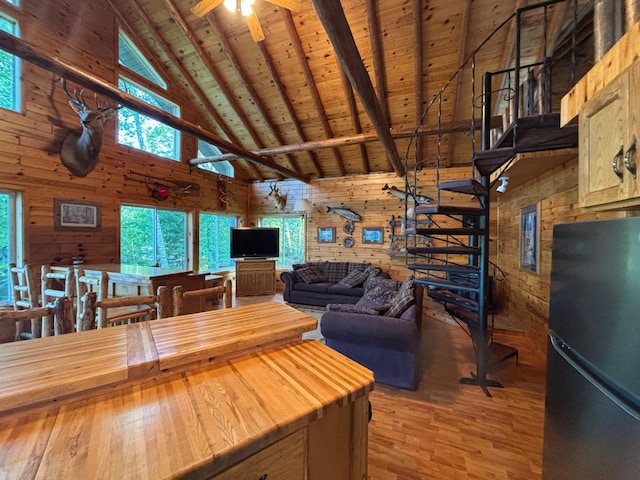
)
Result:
{"points": [[302, 206], [503, 186]]}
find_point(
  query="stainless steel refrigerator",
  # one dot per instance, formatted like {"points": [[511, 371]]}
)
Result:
{"points": [[592, 413]]}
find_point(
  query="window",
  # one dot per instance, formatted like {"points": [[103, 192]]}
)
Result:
{"points": [[152, 236], [291, 238], [215, 241], [9, 70], [144, 133], [205, 149], [9, 248], [130, 57]]}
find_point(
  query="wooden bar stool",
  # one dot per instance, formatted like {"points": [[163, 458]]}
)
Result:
{"points": [[98, 310], [180, 296], [25, 296], [56, 282]]}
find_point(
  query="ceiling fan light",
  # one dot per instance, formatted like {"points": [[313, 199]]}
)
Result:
{"points": [[245, 8], [231, 5]]}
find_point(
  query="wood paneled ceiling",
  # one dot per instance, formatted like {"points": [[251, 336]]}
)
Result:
{"points": [[289, 98]]}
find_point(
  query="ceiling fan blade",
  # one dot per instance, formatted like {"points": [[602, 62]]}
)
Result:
{"points": [[289, 4], [205, 6], [254, 27]]}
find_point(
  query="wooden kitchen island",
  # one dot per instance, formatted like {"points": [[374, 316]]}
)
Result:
{"points": [[224, 394]]}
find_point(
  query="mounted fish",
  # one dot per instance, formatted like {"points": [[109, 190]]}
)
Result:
{"points": [[401, 194], [344, 212]]}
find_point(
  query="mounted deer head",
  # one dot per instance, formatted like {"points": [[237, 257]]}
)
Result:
{"points": [[279, 199], [80, 152]]}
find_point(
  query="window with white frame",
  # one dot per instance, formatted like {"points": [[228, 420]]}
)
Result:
{"points": [[153, 236], [215, 241], [9, 244], [9, 69], [292, 236], [205, 149], [130, 57]]}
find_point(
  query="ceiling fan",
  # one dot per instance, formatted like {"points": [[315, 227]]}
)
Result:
{"points": [[244, 7]]}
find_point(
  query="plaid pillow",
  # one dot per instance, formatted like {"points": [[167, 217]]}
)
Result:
{"points": [[400, 303], [356, 266], [311, 275], [354, 279], [334, 271], [375, 281], [349, 308]]}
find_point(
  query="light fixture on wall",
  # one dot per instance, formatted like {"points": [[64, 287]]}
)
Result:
{"points": [[303, 206], [503, 186]]}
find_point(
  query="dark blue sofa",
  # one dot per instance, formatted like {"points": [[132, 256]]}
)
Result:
{"points": [[388, 346], [324, 292]]}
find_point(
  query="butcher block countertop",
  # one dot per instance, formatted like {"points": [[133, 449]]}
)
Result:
{"points": [[182, 397]]}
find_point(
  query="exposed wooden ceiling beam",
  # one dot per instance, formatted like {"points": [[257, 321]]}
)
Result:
{"points": [[202, 97], [285, 98], [452, 127], [228, 50], [215, 73], [335, 23], [355, 117], [20, 48], [377, 50], [311, 83]]}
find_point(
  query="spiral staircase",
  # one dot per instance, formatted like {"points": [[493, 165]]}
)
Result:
{"points": [[447, 245]]}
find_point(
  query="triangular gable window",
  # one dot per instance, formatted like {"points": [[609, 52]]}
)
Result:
{"points": [[130, 57]]}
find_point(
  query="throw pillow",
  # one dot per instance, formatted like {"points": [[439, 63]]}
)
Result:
{"points": [[380, 295], [375, 281], [354, 279], [311, 275], [399, 304], [349, 308]]}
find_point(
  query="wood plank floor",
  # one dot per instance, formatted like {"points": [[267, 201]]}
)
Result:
{"points": [[446, 430]]}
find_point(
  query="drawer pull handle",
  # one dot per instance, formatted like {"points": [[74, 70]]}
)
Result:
{"points": [[616, 159], [627, 158], [264, 477]]}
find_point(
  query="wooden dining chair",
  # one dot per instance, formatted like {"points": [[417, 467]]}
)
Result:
{"points": [[56, 282], [180, 296], [25, 296], [61, 311], [98, 310]]}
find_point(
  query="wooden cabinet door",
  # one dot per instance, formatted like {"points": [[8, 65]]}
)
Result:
{"points": [[633, 126], [284, 460], [603, 136]]}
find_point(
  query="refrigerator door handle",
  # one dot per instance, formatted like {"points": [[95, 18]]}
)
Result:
{"points": [[615, 392]]}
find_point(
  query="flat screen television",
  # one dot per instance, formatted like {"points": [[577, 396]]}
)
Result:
{"points": [[255, 242]]}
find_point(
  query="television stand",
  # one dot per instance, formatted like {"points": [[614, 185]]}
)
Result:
{"points": [[255, 277]]}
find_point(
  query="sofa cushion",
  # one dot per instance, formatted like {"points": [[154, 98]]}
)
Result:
{"points": [[354, 278], [322, 287], [357, 267], [348, 308], [337, 289], [335, 271], [380, 290], [311, 275], [401, 302]]}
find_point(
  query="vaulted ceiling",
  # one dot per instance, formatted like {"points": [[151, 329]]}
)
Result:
{"points": [[305, 100]]}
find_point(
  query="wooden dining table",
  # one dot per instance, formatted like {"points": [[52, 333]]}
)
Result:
{"points": [[224, 394], [137, 279]]}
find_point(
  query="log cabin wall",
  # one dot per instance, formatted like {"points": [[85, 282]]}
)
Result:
{"points": [[364, 195], [521, 296], [84, 35]]}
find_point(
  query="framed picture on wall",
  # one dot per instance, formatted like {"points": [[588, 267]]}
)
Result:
{"points": [[326, 234], [76, 215], [372, 235], [530, 238]]}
